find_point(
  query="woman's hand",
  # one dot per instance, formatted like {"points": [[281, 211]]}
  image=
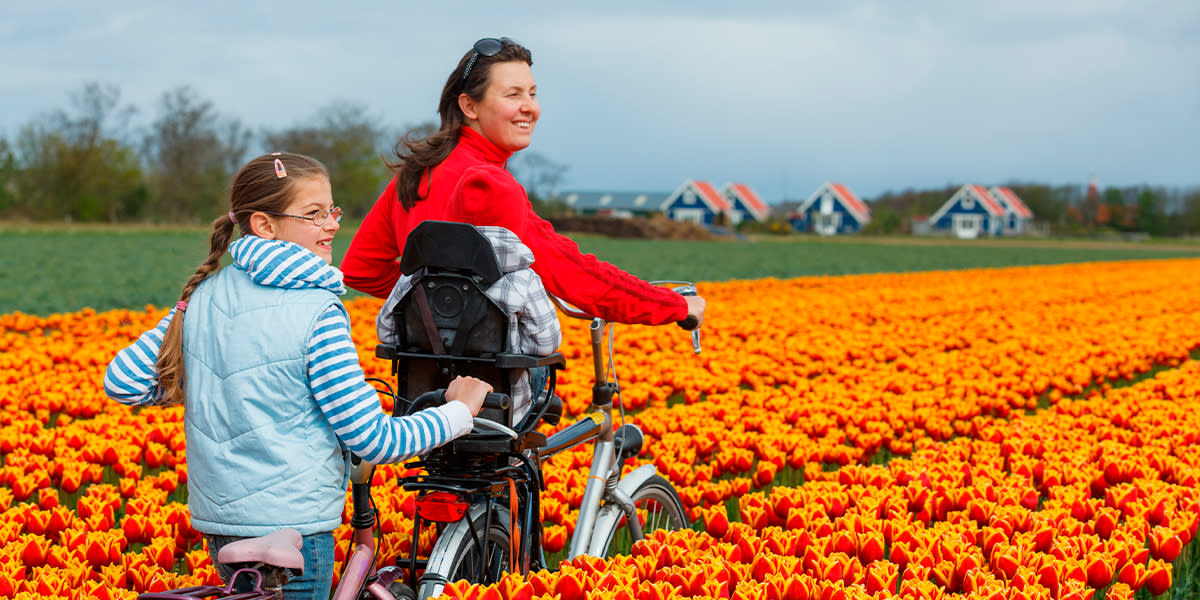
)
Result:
{"points": [[470, 391], [695, 306]]}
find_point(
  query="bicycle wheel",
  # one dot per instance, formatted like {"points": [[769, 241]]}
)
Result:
{"points": [[658, 507], [456, 555]]}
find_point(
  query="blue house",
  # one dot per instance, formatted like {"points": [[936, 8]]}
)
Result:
{"points": [[970, 213], [744, 204], [696, 201], [1018, 217], [833, 209], [613, 204]]}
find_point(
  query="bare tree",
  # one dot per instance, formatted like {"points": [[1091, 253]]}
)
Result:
{"points": [[235, 144], [347, 138], [540, 175], [78, 164], [184, 150], [8, 180]]}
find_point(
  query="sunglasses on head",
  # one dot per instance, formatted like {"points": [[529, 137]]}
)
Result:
{"points": [[484, 47]]}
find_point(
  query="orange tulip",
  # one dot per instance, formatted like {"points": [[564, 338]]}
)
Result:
{"points": [[1158, 577]]}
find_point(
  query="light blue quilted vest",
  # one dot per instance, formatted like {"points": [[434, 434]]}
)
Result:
{"points": [[260, 453]]}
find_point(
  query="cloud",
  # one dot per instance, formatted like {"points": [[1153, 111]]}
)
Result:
{"points": [[635, 95]]}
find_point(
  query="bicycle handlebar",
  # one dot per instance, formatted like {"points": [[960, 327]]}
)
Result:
{"points": [[496, 401]]}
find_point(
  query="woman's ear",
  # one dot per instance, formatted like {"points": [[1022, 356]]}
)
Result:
{"points": [[467, 106], [262, 226]]}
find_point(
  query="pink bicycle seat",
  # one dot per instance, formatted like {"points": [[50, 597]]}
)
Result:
{"points": [[278, 548]]}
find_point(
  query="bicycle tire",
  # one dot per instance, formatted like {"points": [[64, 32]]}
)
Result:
{"points": [[663, 511], [456, 556]]}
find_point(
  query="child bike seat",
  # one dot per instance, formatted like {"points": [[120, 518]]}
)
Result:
{"points": [[279, 548]]}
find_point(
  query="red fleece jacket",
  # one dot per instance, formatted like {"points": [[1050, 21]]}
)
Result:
{"points": [[471, 186]]}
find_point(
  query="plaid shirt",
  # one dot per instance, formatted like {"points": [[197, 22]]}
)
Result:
{"points": [[532, 321]]}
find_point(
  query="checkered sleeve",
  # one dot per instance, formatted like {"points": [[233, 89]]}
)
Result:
{"points": [[537, 320]]}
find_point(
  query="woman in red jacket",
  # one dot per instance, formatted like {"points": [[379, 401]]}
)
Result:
{"points": [[488, 109]]}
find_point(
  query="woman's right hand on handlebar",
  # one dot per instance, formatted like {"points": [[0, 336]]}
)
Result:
{"points": [[470, 391], [695, 307]]}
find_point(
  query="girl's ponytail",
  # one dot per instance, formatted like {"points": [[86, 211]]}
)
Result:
{"points": [[170, 356]]}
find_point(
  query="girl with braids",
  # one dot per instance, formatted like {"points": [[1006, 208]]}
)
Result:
{"points": [[259, 353], [488, 110]]}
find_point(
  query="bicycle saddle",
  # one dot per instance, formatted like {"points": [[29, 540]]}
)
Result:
{"points": [[279, 548]]}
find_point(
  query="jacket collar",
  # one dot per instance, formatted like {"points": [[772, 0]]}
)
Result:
{"points": [[281, 264], [479, 145]]}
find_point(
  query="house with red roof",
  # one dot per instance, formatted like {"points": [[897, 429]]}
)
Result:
{"points": [[831, 210], [970, 213], [744, 204], [696, 201], [1018, 215]]}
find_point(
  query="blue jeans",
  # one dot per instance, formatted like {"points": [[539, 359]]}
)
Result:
{"points": [[317, 579], [539, 377]]}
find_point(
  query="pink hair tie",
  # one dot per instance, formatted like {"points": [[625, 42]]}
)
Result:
{"points": [[232, 217], [181, 306]]}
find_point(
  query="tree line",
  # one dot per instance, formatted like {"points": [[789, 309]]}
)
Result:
{"points": [[1067, 209], [91, 161]]}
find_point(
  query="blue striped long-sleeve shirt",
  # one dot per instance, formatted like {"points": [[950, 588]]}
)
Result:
{"points": [[336, 379]]}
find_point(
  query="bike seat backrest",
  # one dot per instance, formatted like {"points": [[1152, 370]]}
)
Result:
{"points": [[452, 264]]}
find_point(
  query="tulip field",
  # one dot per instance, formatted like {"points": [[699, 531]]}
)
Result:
{"points": [[1009, 433]]}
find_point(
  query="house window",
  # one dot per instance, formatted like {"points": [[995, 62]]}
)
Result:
{"points": [[968, 201], [691, 215]]}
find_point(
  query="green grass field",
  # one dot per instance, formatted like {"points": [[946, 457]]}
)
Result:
{"points": [[47, 269]]}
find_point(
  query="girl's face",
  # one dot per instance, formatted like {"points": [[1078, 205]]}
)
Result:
{"points": [[313, 195], [509, 108]]}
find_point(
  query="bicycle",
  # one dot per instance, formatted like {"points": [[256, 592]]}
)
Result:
{"points": [[262, 565], [486, 486]]}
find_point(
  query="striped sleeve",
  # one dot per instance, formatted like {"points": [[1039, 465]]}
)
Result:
{"points": [[131, 377], [352, 405]]}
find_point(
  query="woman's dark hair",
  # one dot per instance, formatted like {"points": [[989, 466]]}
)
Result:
{"points": [[414, 157], [257, 186]]}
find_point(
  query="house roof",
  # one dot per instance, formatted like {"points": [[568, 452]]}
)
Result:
{"points": [[705, 191], [1012, 201], [989, 204], [851, 200], [710, 193], [740, 190], [857, 207], [601, 200]]}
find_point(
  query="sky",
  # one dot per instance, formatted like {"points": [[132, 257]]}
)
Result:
{"points": [[642, 96]]}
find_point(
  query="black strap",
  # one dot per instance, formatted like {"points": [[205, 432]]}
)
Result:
{"points": [[472, 314], [431, 330]]}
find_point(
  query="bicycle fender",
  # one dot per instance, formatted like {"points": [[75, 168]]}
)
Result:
{"points": [[610, 514], [440, 558]]}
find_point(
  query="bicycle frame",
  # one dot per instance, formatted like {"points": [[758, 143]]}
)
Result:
{"points": [[359, 574], [605, 487]]}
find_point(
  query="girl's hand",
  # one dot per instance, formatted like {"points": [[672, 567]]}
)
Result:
{"points": [[470, 391]]}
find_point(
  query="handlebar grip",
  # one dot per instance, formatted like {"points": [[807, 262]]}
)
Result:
{"points": [[496, 401], [690, 323]]}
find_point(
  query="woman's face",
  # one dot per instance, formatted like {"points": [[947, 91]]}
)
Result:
{"points": [[509, 108]]}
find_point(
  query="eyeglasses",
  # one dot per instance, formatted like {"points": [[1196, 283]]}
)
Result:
{"points": [[484, 47], [318, 218]]}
